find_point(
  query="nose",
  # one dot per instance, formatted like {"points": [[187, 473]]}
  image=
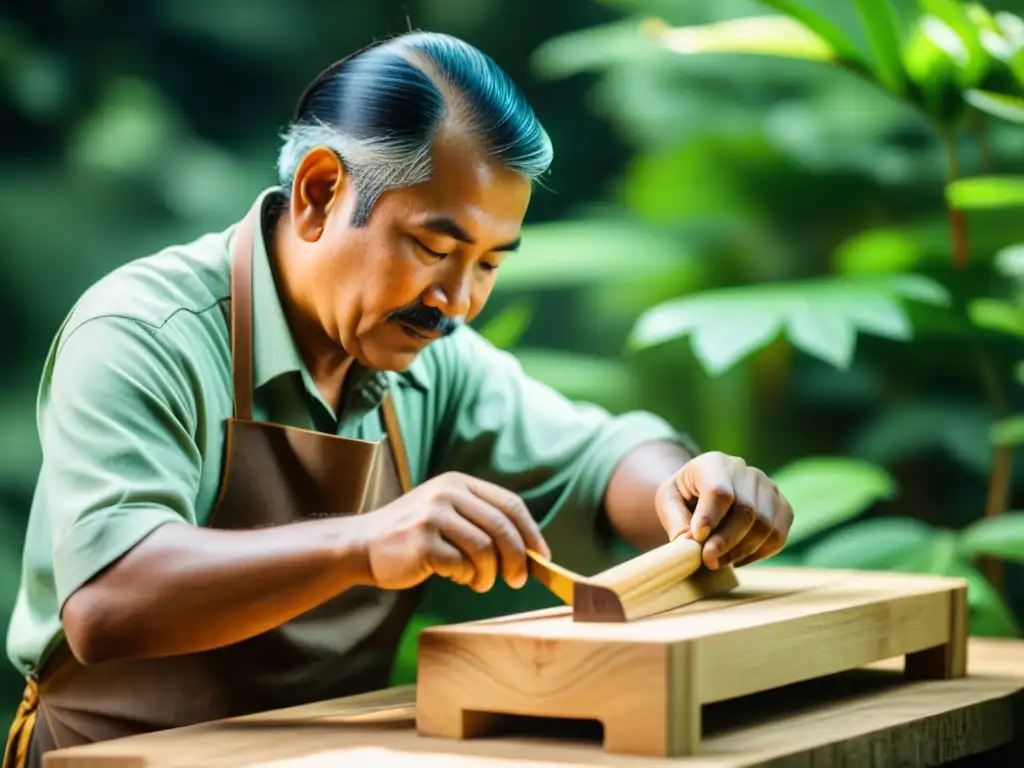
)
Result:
{"points": [[453, 295]]}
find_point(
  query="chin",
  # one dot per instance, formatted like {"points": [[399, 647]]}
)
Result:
{"points": [[389, 358]]}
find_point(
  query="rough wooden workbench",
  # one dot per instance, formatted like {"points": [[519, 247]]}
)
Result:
{"points": [[867, 717]]}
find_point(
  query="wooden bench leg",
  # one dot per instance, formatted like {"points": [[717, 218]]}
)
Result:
{"points": [[949, 660], [454, 723], [644, 694], [669, 727]]}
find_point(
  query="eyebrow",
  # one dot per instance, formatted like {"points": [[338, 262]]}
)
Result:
{"points": [[445, 225]]}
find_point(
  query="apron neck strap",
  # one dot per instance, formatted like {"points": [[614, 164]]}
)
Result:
{"points": [[241, 310], [396, 443]]}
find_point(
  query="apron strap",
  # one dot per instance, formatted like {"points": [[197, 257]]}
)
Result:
{"points": [[20, 736], [241, 310], [396, 443]]}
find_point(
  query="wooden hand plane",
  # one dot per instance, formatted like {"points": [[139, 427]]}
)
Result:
{"points": [[662, 579]]}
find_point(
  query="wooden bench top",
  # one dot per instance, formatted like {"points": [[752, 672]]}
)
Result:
{"points": [[846, 719]]}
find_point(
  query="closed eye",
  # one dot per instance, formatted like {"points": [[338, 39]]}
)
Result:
{"points": [[428, 251]]}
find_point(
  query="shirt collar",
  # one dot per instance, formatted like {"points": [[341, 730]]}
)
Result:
{"points": [[274, 351]]}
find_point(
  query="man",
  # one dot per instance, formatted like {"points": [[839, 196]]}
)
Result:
{"points": [[258, 446]]}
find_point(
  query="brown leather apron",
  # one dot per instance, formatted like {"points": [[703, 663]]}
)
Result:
{"points": [[273, 475]]}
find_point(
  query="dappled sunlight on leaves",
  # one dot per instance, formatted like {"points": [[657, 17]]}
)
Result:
{"points": [[820, 317]]}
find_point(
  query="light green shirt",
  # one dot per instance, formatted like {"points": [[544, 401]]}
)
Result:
{"points": [[137, 386]]}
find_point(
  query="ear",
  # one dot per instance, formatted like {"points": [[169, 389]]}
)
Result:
{"points": [[320, 186]]}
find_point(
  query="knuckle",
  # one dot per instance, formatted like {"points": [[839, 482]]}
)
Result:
{"points": [[431, 519], [720, 492], [481, 546]]}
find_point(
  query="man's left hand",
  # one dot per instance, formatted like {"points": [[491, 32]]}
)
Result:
{"points": [[736, 511]]}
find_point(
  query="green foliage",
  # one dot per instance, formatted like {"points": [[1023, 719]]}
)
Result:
{"points": [[506, 329], [911, 546], [404, 670], [885, 543], [896, 434], [821, 317], [842, 45], [942, 72], [955, 58], [1008, 431], [587, 252], [826, 492], [775, 36], [883, 36], [997, 315], [986, 192], [1001, 537]]}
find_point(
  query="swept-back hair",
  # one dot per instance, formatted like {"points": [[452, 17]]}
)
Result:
{"points": [[380, 108]]}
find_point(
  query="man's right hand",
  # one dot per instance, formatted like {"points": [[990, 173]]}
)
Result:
{"points": [[455, 526]]}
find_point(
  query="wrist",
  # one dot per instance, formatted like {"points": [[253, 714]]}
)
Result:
{"points": [[349, 544]]}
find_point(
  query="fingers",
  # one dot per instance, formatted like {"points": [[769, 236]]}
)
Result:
{"points": [[715, 496], [515, 510], [776, 540], [448, 562], [763, 506], [476, 546], [500, 529], [736, 526], [672, 510]]}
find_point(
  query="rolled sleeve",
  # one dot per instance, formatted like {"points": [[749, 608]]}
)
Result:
{"points": [[558, 455], [119, 459]]}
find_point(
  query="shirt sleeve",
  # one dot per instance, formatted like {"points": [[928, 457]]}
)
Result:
{"points": [[115, 421], [501, 425]]}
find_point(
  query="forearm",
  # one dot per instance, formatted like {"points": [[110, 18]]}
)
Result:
{"points": [[629, 499], [186, 589]]}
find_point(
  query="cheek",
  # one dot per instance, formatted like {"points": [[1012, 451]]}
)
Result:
{"points": [[481, 292], [392, 279]]}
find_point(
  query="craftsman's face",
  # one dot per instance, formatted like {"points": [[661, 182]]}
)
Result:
{"points": [[424, 263]]}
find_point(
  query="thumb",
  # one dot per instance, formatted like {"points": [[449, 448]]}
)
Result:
{"points": [[673, 512]]}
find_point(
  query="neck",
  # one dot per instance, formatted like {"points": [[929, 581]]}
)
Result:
{"points": [[326, 360]]}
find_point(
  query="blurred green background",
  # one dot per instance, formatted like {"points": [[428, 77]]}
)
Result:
{"points": [[791, 227]]}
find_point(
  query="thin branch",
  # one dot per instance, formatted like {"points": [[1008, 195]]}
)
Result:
{"points": [[957, 218]]}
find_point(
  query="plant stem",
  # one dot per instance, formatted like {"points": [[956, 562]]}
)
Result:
{"points": [[957, 218], [998, 493]]}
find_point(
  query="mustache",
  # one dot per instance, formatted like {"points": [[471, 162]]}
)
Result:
{"points": [[427, 319]]}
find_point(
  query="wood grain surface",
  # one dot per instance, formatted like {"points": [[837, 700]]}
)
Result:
{"points": [[647, 681], [872, 716]]}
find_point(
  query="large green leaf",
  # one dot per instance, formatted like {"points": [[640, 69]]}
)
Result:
{"points": [[997, 104], [954, 15], [986, 192], [594, 48], [1001, 537], [587, 251], [763, 35], [887, 544], [1008, 431], [825, 492], [882, 32], [821, 317], [997, 315], [841, 43]]}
